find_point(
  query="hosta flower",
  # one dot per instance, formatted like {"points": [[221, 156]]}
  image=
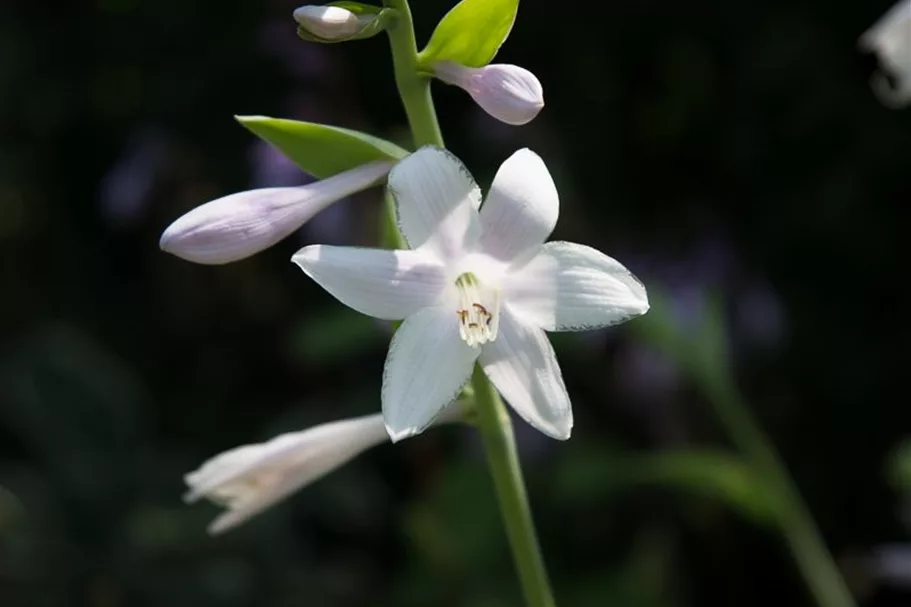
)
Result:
{"points": [[509, 93], [890, 39], [479, 284], [239, 225], [249, 479], [328, 22]]}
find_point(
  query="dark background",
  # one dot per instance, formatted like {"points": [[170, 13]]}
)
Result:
{"points": [[730, 148]]}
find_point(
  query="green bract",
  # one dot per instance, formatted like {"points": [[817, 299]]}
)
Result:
{"points": [[375, 18], [319, 149], [471, 33]]}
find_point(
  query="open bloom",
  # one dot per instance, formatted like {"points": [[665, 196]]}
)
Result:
{"points": [[509, 93], [249, 479], [890, 39], [478, 285], [237, 226]]}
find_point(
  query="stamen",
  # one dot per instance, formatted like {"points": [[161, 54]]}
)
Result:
{"points": [[477, 323]]}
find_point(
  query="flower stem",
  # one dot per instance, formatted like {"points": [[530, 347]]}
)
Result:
{"points": [[500, 444], [414, 87], [813, 559], [493, 419]]}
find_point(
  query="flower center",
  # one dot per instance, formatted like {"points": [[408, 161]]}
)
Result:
{"points": [[478, 311]]}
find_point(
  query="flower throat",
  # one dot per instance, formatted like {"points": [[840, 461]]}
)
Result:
{"points": [[478, 311]]}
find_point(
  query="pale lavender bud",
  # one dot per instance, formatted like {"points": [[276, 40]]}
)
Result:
{"points": [[248, 479], [328, 22], [890, 39], [239, 225], [509, 93]]}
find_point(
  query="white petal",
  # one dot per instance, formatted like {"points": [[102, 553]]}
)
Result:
{"points": [[251, 478], [377, 282], [427, 365], [571, 287], [436, 202], [239, 225], [520, 210], [522, 365]]}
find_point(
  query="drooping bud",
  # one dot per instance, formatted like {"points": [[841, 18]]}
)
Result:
{"points": [[328, 22], [509, 93], [890, 39], [239, 225], [248, 479]]}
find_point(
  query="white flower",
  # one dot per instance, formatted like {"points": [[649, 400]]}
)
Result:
{"points": [[328, 22], [477, 285], [249, 479], [509, 93], [239, 225], [890, 39]]}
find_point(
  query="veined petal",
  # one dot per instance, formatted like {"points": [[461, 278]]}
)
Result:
{"points": [[249, 479], [436, 202], [571, 287], [239, 225], [522, 365], [427, 365], [521, 208], [376, 282]]}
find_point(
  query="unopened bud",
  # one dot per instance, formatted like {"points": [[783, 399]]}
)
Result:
{"points": [[509, 93], [239, 225], [328, 22], [249, 479], [890, 39]]}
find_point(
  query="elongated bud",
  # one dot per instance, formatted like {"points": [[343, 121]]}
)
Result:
{"points": [[239, 225], [248, 479], [509, 93], [890, 39]]}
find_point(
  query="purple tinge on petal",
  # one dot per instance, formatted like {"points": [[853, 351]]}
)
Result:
{"points": [[239, 225], [507, 92]]}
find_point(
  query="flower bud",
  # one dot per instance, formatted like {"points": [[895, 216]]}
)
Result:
{"points": [[890, 39], [509, 93], [249, 479], [328, 22], [239, 225]]}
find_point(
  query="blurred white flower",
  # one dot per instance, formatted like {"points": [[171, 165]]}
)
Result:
{"points": [[249, 479], [890, 39], [509, 93], [328, 22], [239, 225], [478, 285]]}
